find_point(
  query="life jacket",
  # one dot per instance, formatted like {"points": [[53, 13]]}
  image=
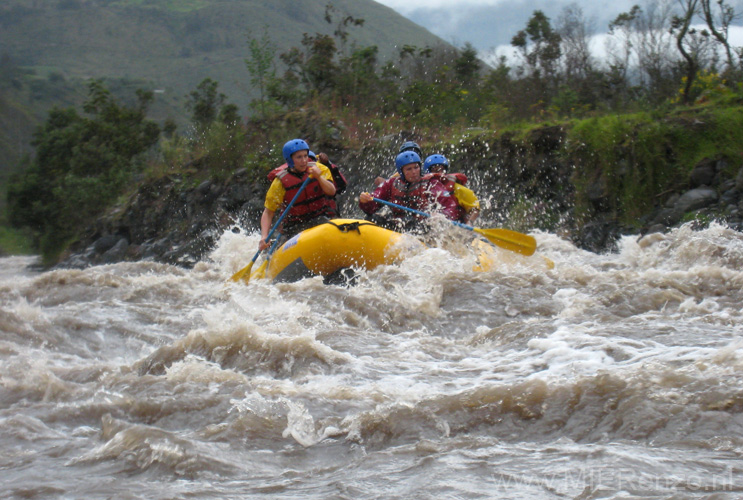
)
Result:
{"points": [[273, 173], [412, 195], [338, 178], [448, 180], [311, 203]]}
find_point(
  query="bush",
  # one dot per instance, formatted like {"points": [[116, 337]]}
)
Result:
{"points": [[81, 165]]}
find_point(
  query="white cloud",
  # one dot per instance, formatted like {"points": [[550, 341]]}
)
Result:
{"points": [[490, 24], [597, 45]]}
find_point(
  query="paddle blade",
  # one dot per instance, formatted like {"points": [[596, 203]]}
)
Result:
{"points": [[243, 273], [260, 273], [510, 240]]}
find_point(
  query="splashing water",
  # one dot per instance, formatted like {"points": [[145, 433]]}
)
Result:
{"points": [[609, 376]]}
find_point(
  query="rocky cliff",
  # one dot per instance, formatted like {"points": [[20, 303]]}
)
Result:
{"points": [[523, 182]]}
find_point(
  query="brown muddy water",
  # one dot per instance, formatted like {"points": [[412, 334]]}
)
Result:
{"points": [[611, 376]]}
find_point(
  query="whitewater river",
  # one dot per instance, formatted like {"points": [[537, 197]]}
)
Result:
{"points": [[611, 376]]}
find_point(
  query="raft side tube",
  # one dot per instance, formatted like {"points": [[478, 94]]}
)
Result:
{"points": [[325, 248]]}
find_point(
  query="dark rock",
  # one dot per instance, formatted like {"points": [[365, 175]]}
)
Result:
{"points": [[238, 175], [739, 180], [671, 201], [726, 185], [657, 228], [730, 197], [76, 261], [696, 199], [115, 253], [547, 139], [596, 191], [236, 195], [598, 236], [703, 173], [105, 243], [204, 187], [668, 217]]}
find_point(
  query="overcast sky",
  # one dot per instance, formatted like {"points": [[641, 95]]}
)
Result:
{"points": [[489, 24]]}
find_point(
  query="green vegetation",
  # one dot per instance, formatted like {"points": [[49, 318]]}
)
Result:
{"points": [[634, 157], [172, 5], [81, 164], [15, 242]]}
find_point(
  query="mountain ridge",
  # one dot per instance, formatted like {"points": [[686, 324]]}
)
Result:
{"points": [[51, 49], [176, 48]]}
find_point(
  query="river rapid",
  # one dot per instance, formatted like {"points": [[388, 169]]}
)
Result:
{"points": [[611, 376]]}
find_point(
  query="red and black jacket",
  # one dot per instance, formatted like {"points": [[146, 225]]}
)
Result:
{"points": [[311, 203]]}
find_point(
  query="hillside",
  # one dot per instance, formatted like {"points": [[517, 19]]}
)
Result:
{"points": [[50, 48], [174, 44], [588, 180]]}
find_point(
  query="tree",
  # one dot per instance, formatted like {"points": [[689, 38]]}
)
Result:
{"points": [[720, 26], [81, 164], [204, 104], [467, 65], [691, 43], [575, 34], [320, 69], [260, 65], [645, 37], [359, 82], [539, 45], [619, 45], [316, 66], [341, 29], [416, 63]]}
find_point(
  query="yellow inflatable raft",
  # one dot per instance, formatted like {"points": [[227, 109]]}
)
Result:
{"points": [[332, 248], [339, 244]]}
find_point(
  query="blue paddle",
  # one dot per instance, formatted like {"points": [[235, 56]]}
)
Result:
{"points": [[244, 273], [504, 238]]}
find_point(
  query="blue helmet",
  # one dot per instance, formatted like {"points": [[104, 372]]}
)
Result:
{"points": [[405, 158], [411, 146], [434, 160], [292, 147], [312, 155]]}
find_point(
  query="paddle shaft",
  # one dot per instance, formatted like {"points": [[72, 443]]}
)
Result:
{"points": [[286, 210], [504, 238], [424, 214], [246, 269]]}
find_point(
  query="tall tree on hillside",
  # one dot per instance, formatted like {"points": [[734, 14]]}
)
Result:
{"points": [[416, 63], [467, 65], [341, 32], [539, 45], [682, 30], [581, 85], [719, 26], [359, 84], [205, 103], [260, 64], [316, 66], [320, 67], [619, 45], [575, 35], [644, 34], [695, 45]]}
